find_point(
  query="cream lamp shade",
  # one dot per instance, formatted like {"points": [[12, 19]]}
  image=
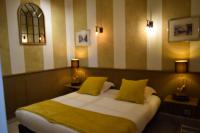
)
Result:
{"points": [[181, 66], [74, 63]]}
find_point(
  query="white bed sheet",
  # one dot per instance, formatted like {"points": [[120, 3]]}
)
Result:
{"points": [[104, 103]]}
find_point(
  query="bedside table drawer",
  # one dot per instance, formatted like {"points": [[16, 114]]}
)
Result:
{"points": [[188, 108], [179, 109]]}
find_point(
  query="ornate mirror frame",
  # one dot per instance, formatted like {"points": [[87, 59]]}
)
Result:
{"points": [[31, 23]]}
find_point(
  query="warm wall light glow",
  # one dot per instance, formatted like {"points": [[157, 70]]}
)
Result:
{"points": [[81, 53], [151, 31], [97, 33]]}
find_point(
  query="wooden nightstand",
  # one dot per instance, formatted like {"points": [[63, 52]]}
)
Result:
{"points": [[188, 108], [70, 88]]}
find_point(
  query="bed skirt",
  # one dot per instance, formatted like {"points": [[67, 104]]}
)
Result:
{"points": [[23, 129]]}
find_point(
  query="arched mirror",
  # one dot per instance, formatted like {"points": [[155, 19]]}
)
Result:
{"points": [[31, 24]]}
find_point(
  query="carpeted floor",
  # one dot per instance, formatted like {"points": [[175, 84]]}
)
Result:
{"points": [[166, 123], [12, 126]]}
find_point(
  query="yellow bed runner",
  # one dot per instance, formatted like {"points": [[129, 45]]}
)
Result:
{"points": [[81, 120]]}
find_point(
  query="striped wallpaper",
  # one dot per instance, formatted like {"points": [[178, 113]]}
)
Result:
{"points": [[125, 42]]}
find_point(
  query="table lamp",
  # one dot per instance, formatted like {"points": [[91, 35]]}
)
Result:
{"points": [[181, 67], [76, 81], [74, 63]]}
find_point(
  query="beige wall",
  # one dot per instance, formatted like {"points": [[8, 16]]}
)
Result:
{"points": [[4, 48], [105, 40], [32, 55], [80, 23], [59, 33], [179, 50], [17, 58], [136, 12], [136, 45]]}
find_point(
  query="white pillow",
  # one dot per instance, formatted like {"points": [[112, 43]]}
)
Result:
{"points": [[106, 86], [148, 91]]}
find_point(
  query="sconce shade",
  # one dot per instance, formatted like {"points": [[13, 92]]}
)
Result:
{"points": [[99, 29], [181, 66], [150, 23], [75, 63]]}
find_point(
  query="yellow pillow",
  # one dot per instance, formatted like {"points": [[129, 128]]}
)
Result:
{"points": [[132, 91], [92, 85]]}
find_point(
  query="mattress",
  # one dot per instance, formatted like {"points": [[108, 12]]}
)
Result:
{"points": [[105, 103]]}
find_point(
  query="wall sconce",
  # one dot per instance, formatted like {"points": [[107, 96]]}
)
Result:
{"points": [[149, 19], [181, 66], [150, 23], [99, 29]]}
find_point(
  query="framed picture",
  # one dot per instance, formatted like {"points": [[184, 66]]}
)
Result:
{"points": [[184, 29], [83, 38]]}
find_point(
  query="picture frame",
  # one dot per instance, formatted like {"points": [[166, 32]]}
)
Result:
{"points": [[83, 38], [184, 29]]}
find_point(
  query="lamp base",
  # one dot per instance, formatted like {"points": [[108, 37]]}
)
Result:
{"points": [[180, 97]]}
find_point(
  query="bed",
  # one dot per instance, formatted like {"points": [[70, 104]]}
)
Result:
{"points": [[104, 103]]}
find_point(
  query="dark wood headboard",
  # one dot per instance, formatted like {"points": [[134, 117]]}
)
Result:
{"points": [[164, 82], [24, 89]]}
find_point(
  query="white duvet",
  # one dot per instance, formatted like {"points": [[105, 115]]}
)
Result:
{"points": [[104, 103]]}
